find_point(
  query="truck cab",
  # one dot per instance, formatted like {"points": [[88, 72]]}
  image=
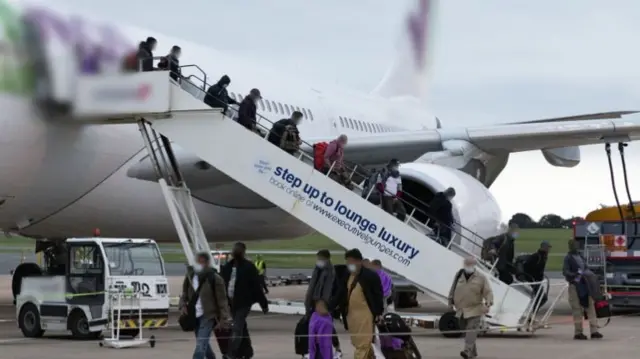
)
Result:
{"points": [[612, 250], [73, 289]]}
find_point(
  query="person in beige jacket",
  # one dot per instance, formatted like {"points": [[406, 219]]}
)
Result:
{"points": [[471, 297]]}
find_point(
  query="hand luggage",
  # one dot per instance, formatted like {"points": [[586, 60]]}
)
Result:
{"points": [[301, 336]]}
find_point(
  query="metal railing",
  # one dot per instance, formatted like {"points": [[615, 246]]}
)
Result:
{"points": [[354, 170]]}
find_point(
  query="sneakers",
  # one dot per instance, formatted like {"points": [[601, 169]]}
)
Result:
{"points": [[466, 355], [580, 337], [596, 335]]}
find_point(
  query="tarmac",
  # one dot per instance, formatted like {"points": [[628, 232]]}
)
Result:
{"points": [[272, 337]]}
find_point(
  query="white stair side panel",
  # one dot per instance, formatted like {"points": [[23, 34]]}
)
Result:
{"points": [[260, 166]]}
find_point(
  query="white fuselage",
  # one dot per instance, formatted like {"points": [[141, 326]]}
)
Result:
{"points": [[59, 179]]}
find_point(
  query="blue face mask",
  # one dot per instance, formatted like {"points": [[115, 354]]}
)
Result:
{"points": [[515, 234]]}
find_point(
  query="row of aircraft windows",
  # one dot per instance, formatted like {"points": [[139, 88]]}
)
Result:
{"points": [[276, 107], [366, 126]]}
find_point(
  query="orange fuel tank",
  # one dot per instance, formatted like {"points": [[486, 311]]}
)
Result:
{"points": [[612, 213]]}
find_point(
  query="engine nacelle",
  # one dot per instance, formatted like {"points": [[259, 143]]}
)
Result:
{"points": [[474, 207]]}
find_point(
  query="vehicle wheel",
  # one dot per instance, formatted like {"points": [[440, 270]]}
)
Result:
{"points": [[129, 332], [449, 325], [79, 326], [22, 271], [29, 321]]}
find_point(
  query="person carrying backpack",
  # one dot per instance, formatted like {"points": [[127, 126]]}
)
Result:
{"points": [[285, 134], [204, 305]]}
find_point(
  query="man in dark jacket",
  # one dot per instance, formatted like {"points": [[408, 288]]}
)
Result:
{"points": [[322, 280], [505, 252], [243, 288], [211, 308], [285, 134], [217, 95], [248, 110], [171, 62], [442, 211], [536, 262], [145, 54], [360, 299], [583, 287]]}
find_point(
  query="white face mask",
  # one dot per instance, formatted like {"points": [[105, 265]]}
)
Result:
{"points": [[352, 268], [197, 267], [469, 269], [320, 264], [225, 85]]}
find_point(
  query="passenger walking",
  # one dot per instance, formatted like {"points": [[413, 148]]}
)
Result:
{"points": [[471, 297], [285, 134], [534, 267], [243, 288], [321, 332], [505, 250], [145, 54], [203, 290], [442, 211], [322, 281], [261, 266], [584, 290], [390, 186], [217, 95], [387, 284], [248, 110], [360, 301], [334, 161]]}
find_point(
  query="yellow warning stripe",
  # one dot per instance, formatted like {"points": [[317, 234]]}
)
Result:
{"points": [[146, 323]]}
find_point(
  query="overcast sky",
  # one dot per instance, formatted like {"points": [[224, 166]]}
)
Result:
{"points": [[492, 61]]}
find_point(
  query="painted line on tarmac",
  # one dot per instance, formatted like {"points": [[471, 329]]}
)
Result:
{"points": [[7, 320]]}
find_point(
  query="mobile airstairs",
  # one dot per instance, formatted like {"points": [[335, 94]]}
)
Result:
{"points": [[166, 111]]}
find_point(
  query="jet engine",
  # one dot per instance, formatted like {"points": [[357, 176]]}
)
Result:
{"points": [[476, 212]]}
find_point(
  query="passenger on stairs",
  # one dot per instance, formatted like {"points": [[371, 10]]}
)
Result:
{"points": [[217, 95], [285, 134], [387, 284], [441, 210], [360, 300], [506, 252], [145, 54], [471, 297], [171, 62], [248, 110], [334, 161], [390, 186]]}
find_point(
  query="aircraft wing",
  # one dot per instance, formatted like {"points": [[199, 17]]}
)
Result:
{"points": [[509, 137]]}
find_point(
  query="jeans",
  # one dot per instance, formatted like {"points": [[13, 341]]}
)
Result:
{"points": [[203, 350], [239, 330]]}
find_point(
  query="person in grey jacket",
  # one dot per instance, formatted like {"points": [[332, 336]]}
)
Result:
{"points": [[584, 288], [321, 283]]}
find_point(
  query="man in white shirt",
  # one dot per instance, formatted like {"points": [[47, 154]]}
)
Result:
{"points": [[390, 186]]}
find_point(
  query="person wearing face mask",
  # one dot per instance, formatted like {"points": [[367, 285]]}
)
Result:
{"points": [[243, 288], [470, 297], [441, 210], [584, 291], [360, 301], [204, 294], [322, 279], [390, 186], [217, 95], [248, 110]]}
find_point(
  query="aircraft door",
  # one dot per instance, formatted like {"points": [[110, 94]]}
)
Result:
{"points": [[85, 274]]}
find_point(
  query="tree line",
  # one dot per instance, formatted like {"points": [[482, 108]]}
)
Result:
{"points": [[550, 220]]}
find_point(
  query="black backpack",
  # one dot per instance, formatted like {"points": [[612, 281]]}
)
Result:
{"points": [[301, 336]]}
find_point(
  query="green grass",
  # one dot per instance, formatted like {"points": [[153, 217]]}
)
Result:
{"points": [[528, 242]]}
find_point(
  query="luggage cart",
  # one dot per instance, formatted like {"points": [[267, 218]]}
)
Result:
{"points": [[117, 299]]}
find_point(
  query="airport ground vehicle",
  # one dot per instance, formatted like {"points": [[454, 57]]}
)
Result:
{"points": [[612, 250], [70, 292]]}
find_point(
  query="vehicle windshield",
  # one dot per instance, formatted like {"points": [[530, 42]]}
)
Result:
{"points": [[134, 259]]}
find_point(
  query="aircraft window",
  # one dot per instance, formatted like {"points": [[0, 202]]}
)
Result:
{"points": [[298, 109], [350, 123], [379, 128], [261, 105], [275, 107], [304, 111], [280, 107], [341, 121], [369, 127], [268, 105], [286, 107], [310, 115], [360, 127], [375, 127]]}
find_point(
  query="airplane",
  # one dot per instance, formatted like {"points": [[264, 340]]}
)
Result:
{"points": [[60, 179]]}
